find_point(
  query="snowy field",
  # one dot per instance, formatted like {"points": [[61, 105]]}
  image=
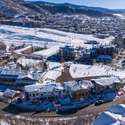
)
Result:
{"points": [[43, 36], [80, 71]]}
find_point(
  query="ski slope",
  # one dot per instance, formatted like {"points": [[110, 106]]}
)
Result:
{"points": [[48, 37]]}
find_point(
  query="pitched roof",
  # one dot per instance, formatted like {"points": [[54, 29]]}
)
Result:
{"points": [[45, 87], [106, 81], [48, 52], [75, 86], [118, 109], [105, 118], [114, 116], [23, 76]]}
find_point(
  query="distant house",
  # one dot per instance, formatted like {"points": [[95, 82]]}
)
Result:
{"points": [[79, 89], [106, 50], [103, 83], [93, 42], [67, 53]]}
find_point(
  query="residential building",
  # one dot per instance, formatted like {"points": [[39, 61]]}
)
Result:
{"points": [[104, 83], [79, 89], [47, 90]]}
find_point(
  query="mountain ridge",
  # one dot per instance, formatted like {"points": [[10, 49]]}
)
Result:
{"points": [[65, 17], [77, 6]]}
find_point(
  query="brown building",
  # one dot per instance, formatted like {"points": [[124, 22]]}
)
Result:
{"points": [[79, 89], [103, 83]]}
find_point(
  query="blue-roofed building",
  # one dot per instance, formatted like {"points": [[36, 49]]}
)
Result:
{"points": [[104, 58], [8, 76], [25, 80], [16, 77], [67, 53], [106, 50]]}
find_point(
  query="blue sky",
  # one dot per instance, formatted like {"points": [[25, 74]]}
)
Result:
{"points": [[117, 4]]}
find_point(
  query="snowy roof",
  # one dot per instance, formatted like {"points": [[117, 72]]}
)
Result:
{"points": [[10, 93], [81, 71], [75, 86], [105, 118], [48, 52], [9, 72], [104, 57], [45, 87], [19, 51], [118, 109], [114, 116], [52, 65], [106, 81], [28, 62], [52, 74], [23, 76]]}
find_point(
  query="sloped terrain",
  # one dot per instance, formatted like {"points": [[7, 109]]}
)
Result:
{"points": [[9, 8], [14, 9], [65, 17], [67, 8]]}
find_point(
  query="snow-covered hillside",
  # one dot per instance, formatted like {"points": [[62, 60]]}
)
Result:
{"points": [[11, 34], [121, 16]]}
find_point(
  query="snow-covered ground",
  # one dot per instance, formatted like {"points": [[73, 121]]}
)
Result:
{"points": [[45, 36], [80, 71]]}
